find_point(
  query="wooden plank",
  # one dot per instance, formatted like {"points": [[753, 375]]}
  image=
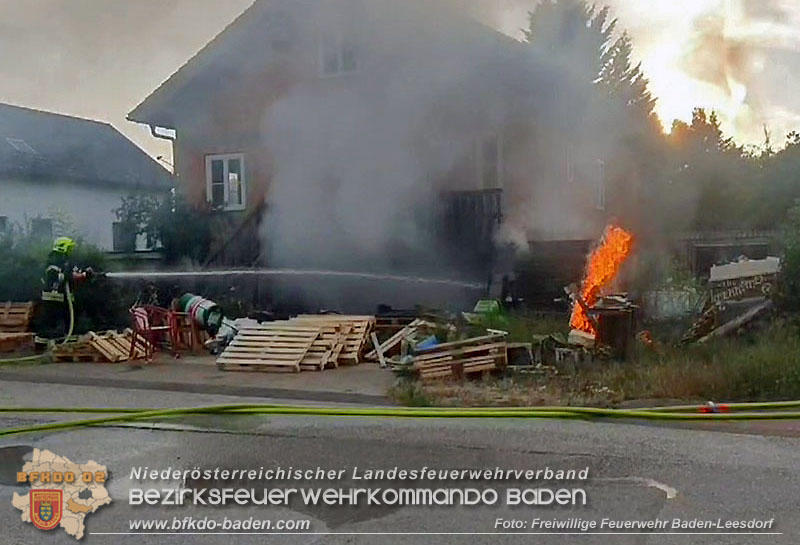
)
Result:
{"points": [[485, 339], [336, 317], [460, 351], [378, 350], [457, 368], [10, 342], [480, 359], [394, 341]]}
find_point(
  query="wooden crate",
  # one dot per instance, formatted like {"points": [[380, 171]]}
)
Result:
{"points": [[12, 342], [355, 341], [273, 346], [15, 317]]}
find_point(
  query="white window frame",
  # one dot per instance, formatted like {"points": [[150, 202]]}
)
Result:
{"points": [[600, 186], [339, 38], [479, 160], [226, 158]]}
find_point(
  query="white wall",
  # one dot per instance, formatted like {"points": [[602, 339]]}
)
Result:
{"points": [[80, 210]]}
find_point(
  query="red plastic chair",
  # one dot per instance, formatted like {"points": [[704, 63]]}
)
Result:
{"points": [[156, 326]]}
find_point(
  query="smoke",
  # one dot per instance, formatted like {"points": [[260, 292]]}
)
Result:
{"points": [[359, 162], [738, 57]]}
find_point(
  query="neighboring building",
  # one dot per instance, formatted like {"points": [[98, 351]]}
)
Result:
{"points": [[63, 175], [313, 105]]}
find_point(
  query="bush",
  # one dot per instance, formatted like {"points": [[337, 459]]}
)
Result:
{"points": [[182, 230], [790, 238], [98, 305]]}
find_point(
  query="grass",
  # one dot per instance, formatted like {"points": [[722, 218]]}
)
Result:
{"points": [[757, 366], [522, 325]]}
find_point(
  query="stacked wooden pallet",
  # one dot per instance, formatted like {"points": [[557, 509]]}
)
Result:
{"points": [[327, 348], [15, 317], [106, 347], [356, 339], [460, 358], [303, 343]]}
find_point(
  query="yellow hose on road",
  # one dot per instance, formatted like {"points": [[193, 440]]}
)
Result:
{"points": [[133, 414]]}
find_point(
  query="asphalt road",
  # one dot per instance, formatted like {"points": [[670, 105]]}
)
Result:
{"points": [[636, 472]]}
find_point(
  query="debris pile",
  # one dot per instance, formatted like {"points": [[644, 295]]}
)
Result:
{"points": [[421, 350], [105, 347], [738, 294]]}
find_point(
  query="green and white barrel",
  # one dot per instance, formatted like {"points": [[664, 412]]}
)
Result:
{"points": [[207, 314]]}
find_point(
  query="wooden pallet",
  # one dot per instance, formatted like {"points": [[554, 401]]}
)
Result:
{"points": [[116, 347], [104, 347], [460, 358], [273, 346], [12, 342], [355, 341], [15, 317], [79, 357], [326, 349], [459, 368]]}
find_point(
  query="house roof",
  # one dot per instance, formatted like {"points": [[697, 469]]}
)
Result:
{"points": [[155, 110], [40, 145], [225, 56]]}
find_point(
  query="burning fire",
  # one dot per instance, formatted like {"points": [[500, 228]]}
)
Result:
{"points": [[603, 265]]}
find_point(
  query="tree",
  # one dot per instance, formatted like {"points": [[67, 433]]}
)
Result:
{"points": [[181, 230], [574, 35], [580, 38], [607, 107]]}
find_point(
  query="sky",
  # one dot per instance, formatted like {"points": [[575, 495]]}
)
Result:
{"points": [[99, 58]]}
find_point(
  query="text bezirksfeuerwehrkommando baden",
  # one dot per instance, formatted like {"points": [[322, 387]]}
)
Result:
{"points": [[219, 487], [357, 474]]}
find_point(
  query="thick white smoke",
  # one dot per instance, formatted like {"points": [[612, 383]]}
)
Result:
{"points": [[359, 161]]}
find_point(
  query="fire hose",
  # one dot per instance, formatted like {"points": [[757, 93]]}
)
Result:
{"points": [[734, 411]]}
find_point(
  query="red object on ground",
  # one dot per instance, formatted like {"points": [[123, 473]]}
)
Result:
{"points": [[155, 325], [711, 407]]}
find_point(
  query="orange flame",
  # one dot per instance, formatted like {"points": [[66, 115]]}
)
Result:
{"points": [[603, 265]]}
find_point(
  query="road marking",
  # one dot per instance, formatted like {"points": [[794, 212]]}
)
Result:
{"points": [[650, 483]]}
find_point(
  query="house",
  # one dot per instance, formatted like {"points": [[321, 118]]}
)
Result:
{"points": [[378, 134], [64, 175]]}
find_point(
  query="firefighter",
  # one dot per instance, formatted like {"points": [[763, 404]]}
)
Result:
{"points": [[58, 283]]}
